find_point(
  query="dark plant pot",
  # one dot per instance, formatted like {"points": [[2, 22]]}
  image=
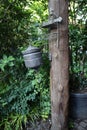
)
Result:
{"points": [[78, 105]]}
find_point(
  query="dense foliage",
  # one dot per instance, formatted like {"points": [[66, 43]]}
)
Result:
{"points": [[24, 93], [78, 41], [13, 26]]}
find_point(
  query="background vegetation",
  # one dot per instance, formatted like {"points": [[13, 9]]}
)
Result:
{"points": [[78, 47], [24, 93]]}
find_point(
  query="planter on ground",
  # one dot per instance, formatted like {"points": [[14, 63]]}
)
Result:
{"points": [[78, 105]]}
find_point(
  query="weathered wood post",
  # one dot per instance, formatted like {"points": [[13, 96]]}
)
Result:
{"points": [[59, 73]]}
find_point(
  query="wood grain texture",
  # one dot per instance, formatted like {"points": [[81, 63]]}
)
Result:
{"points": [[59, 73]]}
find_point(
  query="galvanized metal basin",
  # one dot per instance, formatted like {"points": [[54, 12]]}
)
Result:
{"points": [[32, 57]]}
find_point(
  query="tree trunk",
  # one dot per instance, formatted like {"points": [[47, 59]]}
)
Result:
{"points": [[59, 74]]}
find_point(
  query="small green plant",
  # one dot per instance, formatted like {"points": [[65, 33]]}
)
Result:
{"points": [[6, 61], [71, 125], [45, 104], [14, 122]]}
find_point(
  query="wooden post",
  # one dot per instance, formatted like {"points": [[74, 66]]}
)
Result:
{"points": [[59, 74]]}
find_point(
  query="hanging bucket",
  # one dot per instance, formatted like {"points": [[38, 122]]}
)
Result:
{"points": [[32, 57]]}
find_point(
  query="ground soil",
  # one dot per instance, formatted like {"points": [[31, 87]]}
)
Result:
{"points": [[46, 125]]}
